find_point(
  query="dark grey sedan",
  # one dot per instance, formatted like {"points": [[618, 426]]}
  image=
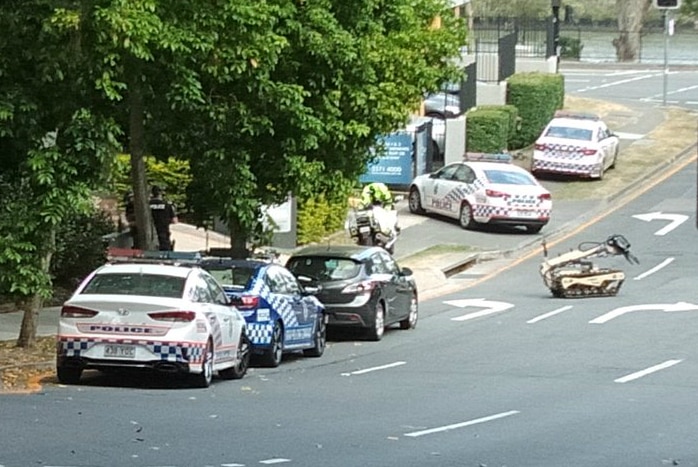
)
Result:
{"points": [[361, 287]]}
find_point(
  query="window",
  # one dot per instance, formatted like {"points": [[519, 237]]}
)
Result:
{"points": [[215, 290], [149, 285], [324, 268], [509, 177]]}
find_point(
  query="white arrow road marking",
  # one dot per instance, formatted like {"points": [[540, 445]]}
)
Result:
{"points": [[666, 262], [548, 314], [489, 305], [375, 368], [678, 306], [675, 220], [415, 434], [647, 371]]}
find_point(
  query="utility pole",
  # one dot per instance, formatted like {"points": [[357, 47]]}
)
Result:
{"points": [[664, 6], [555, 5]]}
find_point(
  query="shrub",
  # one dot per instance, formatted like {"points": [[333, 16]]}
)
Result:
{"points": [[536, 96], [488, 130]]}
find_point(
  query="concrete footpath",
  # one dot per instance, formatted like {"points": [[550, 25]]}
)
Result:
{"points": [[431, 269]]}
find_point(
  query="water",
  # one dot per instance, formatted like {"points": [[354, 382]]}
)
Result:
{"points": [[598, 47]]}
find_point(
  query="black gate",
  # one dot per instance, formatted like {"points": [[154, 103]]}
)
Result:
{"points": [[468, 88], [507, 56]]}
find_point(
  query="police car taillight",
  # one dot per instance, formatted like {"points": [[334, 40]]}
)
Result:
{"points": [[246, 302], [361, 287], [589, 152], [540, 147], [496, 194], [545, 196], [69, 311], [173, 316]]}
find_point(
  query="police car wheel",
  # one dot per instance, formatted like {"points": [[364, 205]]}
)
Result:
{"points": [[415, 202], [243, 360], [272, 356], [68, 374], [203, 379], [376, 331], [320, 340], [466, 216], [411, 321]]}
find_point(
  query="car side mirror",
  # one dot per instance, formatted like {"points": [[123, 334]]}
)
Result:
{"points": [[405, 271]]}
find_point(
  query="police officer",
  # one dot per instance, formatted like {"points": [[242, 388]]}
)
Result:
{"points": [[164, 214], [376, 193]]}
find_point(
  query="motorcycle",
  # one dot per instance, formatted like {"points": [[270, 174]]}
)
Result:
{"points": [[373, 226]]}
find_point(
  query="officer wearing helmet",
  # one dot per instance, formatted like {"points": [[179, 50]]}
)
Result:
{"points": [[376, 193]]}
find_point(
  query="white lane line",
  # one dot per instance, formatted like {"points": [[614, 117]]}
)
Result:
{"points": [[548, 314], [664, 263], [647, 371], [233, 465], [278, 460], [617, 83], [439, 429], [375, 368]]}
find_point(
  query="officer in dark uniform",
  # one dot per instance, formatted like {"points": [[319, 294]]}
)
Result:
{"points": [[164, 214]]}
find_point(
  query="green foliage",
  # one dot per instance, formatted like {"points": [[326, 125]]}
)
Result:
{"points": [[571, 47], [319, 217], [514, 121], [79, 247], [487, 130], [536, 96]]}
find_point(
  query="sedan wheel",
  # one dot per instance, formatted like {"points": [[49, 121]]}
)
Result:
{"points": [[272, 356], [411, 321], [69, 374], [375, 332], [203, 379], [466, 216], [320, 339], [243, 360], [415, 202]]}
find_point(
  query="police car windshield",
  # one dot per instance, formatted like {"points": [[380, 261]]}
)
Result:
{"points": [[324, 268], [508, 177], [569, 133], [149, 285]]}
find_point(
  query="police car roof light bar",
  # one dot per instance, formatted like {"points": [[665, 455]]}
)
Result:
{"points": [[487, 157], [577, 115], [129, 255]]}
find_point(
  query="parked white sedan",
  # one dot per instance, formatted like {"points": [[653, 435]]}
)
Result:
{"points": [[575, 144], [483, 193], [169, 318]]}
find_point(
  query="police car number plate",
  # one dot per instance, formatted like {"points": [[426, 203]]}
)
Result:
{"points": [[524, 214], [120, 351]]}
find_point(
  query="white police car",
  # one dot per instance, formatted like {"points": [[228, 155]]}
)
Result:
{"points": [[576, 144], [282, 315], [483, 192], [166, 317]]}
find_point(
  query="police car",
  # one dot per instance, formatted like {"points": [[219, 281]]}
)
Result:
{"points": [[576, 144], [282, 315], [153, 313], [481, 191]]}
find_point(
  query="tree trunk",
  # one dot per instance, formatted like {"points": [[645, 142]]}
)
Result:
{"points": [[631, 16], [238, 239], [145, 239], [31, 306]]}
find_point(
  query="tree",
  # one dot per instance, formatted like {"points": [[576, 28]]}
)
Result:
{"points": [[345, 74], [56, 147], [631, 16]]}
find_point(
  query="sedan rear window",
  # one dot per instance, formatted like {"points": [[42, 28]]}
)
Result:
{"points": [[149, 285], [509, 177], [324, 268], [569, 133], [236, 276]]}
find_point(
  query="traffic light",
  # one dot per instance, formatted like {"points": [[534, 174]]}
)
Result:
{"points": [[667, 4]]}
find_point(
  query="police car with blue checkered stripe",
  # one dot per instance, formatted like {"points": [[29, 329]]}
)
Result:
{"points": [[282, 315]]}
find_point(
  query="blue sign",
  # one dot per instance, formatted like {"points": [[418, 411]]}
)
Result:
{"points": [[394, 165]]}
